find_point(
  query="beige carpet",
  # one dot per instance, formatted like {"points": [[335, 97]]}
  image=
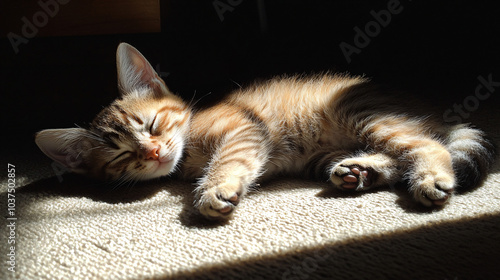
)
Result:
{"points": [[287, 229]]}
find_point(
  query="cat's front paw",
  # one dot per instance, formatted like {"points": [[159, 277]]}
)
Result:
{"points": [[432, 189], [217, 202]]}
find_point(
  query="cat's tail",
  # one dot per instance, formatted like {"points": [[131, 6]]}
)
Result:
{"points": [[472, 155]]}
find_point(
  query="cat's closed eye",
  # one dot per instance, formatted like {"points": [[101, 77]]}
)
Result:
{"points": [[120, 156], [152, 130]]}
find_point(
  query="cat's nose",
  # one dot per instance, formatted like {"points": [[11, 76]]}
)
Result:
{"points": [[153, 154]]}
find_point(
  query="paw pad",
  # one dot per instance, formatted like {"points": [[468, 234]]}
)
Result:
{"points": [[226, 210], [357, 176]]}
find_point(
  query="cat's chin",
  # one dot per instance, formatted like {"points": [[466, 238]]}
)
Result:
{"points": [[159, 169]]}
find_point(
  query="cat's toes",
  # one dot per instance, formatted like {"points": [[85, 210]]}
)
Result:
{"points": [[352, 177], [232, 202], [433, 192], [217, 203]]}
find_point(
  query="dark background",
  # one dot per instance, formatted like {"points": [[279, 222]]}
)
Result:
{"points": [[435, 49]]}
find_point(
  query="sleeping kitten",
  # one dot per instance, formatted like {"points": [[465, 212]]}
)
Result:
{"points": [[331, 126]]}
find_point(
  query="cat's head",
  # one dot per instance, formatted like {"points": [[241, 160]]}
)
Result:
{"points": [[139, 136]]}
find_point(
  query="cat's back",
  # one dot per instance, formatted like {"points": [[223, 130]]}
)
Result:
{"points": [[288, 107], [292, 95]]}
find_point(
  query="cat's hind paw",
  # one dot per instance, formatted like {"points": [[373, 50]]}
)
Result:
{"points": [[365, 171], [433, 190], [352, 177]]}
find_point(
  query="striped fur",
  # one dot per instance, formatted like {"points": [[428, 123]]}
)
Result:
{"points": [[334, 127]]}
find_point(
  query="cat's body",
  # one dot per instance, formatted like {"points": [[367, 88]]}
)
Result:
{"points": [[332, 127]]}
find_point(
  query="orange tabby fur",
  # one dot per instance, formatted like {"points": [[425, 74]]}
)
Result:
{"points": [[337, 127]]}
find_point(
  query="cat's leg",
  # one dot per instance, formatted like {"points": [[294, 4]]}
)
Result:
{"points": [[428, 164], [237, 161], [365, 171], [430, 175]]}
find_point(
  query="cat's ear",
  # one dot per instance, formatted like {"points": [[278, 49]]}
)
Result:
{"points": [[135, 74], [66, 146]]}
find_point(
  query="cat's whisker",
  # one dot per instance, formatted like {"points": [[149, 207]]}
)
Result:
{"points": [[116, 184], [124, 178], [191, 104], [131, 183], [82, 151], [234, 82]]}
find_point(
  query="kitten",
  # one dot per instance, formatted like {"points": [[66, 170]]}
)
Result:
{"points": [[335, 127]]}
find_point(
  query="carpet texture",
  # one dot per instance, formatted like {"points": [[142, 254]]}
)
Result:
{"points": [[286, 229]]}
